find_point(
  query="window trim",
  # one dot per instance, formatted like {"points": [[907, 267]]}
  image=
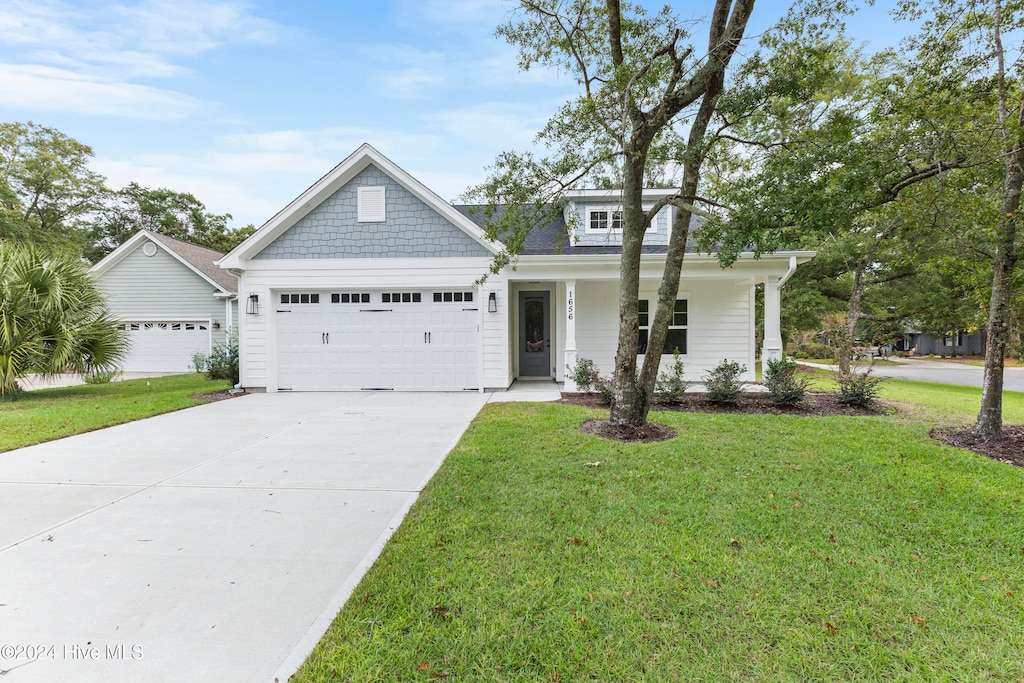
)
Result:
{"points": [[650, 315], [611, 211]]}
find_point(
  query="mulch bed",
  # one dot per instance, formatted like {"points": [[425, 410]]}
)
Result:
{"points": [[818, 404], [1010, 450], [649, 432], [219, 395]]}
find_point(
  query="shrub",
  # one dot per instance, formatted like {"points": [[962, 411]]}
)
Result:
{"points": [[723, 383], [858, 388], [585, 375], [814, 350], [605, 387], [785, 385], [800, 354], [100, 376], [670, 385], [222, 363]]}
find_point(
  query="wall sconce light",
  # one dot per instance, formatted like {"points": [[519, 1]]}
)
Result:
{"points": [[216, 325], [252, 305], [492, 302]]}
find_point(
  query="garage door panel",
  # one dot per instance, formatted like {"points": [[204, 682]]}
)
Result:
{"points": [[165, 346], [397, 344]]}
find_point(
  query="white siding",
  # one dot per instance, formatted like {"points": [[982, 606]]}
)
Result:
{"points": [[267, 277], [159, 287], [719, 323]]}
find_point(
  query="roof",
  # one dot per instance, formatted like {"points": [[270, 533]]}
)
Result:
{"points": [[201, 258], [334, 180], [554, 237]]}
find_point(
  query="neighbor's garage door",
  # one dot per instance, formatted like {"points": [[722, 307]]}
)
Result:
{"points": [[355, 340], [165, 346]]}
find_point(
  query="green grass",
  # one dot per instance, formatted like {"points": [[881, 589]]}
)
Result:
{"points": [[47, 414], [748, 548], [859, 363]]}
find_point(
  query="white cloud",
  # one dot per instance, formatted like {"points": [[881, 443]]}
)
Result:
{"points": [[103, 53], [50, 89]]}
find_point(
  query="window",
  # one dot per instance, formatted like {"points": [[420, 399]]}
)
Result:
{"points": [[300, 298], [676, 337], [371, 207], [601, 221], [347, 298], [401, 297], [453, 297]]}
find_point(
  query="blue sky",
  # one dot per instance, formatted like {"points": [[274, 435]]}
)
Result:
{"points": [[245, 104]]}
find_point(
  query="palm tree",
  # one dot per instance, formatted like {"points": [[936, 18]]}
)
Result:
{"points": [[53, 318]]}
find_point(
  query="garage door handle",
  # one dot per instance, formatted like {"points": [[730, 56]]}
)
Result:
{"points": [[328, 337], [322, 334], [424, 337], [428, 337]]}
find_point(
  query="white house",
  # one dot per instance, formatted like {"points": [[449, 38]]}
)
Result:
{"points": [[367, 281], [170, 297]]}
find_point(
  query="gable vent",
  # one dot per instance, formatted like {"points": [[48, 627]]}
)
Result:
{"points": [[371, 204]]}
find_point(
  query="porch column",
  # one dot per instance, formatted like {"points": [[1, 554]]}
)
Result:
{"points": [[570, 333], [772, 346]]}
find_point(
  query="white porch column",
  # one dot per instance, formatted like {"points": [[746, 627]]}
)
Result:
{"points": [[570, 333], [772, 346]]}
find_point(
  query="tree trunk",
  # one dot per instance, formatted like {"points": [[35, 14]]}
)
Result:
{"points": [[629, 405], [990, 416]]}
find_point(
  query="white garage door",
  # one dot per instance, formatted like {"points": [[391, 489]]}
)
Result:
{"points": [[356, 340], [163, 346]]}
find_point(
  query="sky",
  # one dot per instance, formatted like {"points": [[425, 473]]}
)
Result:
{"points": [[246, 104]]}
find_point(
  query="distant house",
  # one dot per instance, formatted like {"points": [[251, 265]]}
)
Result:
{"points": [[958, 344], [171, 299], [369, 280]]}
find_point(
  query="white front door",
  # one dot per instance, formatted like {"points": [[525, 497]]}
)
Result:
{"points": [[348, 340]]}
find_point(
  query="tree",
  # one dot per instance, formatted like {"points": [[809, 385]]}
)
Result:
{"points": [[176, 214], [639, 80], [53, 319], [46, 186]]}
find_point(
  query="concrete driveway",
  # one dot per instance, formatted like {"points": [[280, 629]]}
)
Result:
{"points": [[211, 544]]}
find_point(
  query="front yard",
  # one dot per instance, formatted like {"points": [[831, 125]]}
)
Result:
{"points": [[47, 414], [750, 547]]}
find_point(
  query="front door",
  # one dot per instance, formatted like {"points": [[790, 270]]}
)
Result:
{"points": [[534, 334]]}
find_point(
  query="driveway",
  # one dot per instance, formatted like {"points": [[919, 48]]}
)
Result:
{"points": [[943, 372], [211, 544]]}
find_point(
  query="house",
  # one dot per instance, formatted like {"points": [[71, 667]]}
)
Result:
{"points": [[369, 280], [957, 344], [171, 298]]}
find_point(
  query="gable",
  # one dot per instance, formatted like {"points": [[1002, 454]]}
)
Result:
{"points": [[411, 228], [157, 286]]}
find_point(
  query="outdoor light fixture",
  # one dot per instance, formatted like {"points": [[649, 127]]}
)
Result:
{"points": [[252, 306], [492, 302], [216, 325]]}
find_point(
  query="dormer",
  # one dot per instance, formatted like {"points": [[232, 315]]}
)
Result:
{"points": [[594, 217]]}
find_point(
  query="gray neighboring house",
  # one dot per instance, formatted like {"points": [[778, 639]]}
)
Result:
{"points": [[960, 344], [171, 299]]}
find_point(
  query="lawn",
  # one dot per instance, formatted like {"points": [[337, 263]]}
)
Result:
{"points": [[754, 548], [47, 414]]}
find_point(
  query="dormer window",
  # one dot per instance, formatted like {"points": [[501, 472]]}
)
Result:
{"points": [[603, 219], [371, 204]]}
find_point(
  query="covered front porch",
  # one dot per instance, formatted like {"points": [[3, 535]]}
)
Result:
{"points": [[555, 320]]}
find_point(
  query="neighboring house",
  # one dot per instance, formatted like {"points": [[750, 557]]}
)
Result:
{"points": [[958, 344], [172, 300], [368, 280]]}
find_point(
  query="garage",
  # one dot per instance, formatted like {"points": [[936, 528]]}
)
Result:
{"points": [[165, 346], [358, 340]]}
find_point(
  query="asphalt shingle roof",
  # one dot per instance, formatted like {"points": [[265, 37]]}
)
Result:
{"points": [[202, 259]]}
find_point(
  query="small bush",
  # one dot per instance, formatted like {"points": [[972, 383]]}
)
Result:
{"points": [[785, 385], [670, 385], [222, 363], [200, 361], [723, 383], [858, 388], [101, 376], [800, 354], [814, 350], [605, 387], [585, 375]]}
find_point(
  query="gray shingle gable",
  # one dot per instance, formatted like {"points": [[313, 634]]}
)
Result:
{"points": [[412, 229]]}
